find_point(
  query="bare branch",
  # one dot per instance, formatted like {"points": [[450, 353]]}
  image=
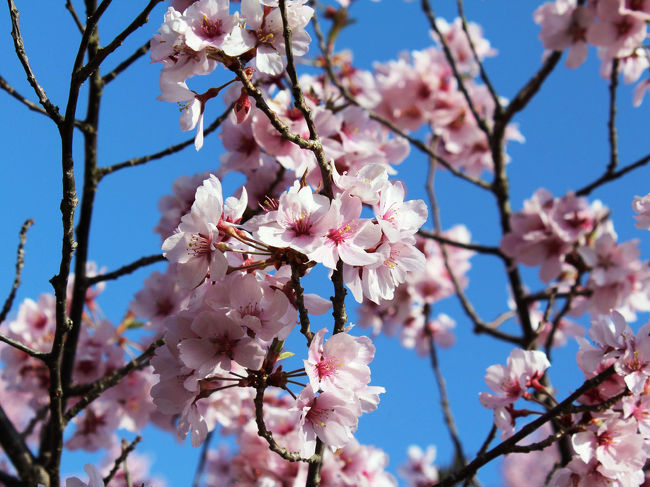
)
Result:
{"points": [[486, 79], [137, 161], [482, 249], [442, 387], [142, 18], [528, 91], [200, 467], [16, 449], [126, 450], [9, 480], [70, 7], [24, 348], [611, 123], [428, 11], [97, 388], [126, 269], [19, 46], [479, 325], [40, 415], [4, 84], [20, 262], [607, 177], [141, 51]]}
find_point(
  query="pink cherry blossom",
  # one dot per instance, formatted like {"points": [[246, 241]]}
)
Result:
{"points": [[341, 364]]}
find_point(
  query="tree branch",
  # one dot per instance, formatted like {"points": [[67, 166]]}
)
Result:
{"points": [[70, 7], [137, 161], [483, 249], [141, 51], [442, 387], [143, 17], [428, 11], [486, 79], [20, 262], [479, 325], [611, 123], [126, 269], [507, 445], [126, 450], [607, 177], [19, 46], [97, 388]]}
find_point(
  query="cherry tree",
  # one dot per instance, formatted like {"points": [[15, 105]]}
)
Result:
{"points": [[312, 214]]}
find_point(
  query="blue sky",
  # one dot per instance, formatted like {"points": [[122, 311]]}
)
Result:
{"points": [[566, 147]]}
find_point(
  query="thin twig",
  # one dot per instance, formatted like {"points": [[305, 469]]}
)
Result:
{"points": [[143, 17], [137, 161], [19, 47], [126, 450], [24, 348], [39, 416], [125, 269], [607, 177], [200, 467], [4, 84], [20, 262], [477, 60], [442, 387], [611, 122], [141, 51], [529, 90], [480, 326], [70, 7], [97, 388], [480, 121], [482, 249]]}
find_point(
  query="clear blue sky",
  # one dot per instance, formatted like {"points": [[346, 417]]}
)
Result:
{"points": [[566, 147]]}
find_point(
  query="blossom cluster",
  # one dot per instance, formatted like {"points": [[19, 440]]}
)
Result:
{"points": [[610, 440], [103, 347], [569, 238], [403, 315], [617, 27]]}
